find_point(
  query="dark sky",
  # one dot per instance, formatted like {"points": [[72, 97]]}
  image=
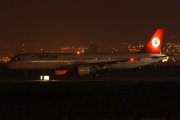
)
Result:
{"points": [[77, 22]]}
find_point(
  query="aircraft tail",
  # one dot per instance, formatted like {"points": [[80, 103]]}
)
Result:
{"points": [[155, 43]]}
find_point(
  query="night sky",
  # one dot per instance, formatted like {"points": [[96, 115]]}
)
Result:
{"points": [[56, 23]]}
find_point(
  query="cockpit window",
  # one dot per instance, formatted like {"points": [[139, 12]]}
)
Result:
{"points": [[18, 59]]}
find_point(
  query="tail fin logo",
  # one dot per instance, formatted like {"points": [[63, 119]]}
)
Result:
{"points": [[155, 42]]}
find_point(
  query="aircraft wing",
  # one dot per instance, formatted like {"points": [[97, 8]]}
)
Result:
{"points": [[96, 64], [159, 56], [110, 62]]}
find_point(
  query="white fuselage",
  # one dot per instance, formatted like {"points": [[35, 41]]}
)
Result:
{"points": [[67, 60]]}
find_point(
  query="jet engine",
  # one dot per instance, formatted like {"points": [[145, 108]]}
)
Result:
{"points": [[82, 70]]}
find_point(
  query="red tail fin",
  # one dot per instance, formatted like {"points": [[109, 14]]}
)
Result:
{"points": [[154, 44]]}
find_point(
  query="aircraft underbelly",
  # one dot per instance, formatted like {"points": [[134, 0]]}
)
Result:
{"points": [[50, 65], [45, 65]]}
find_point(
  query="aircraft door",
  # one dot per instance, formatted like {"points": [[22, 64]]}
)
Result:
{"points": [[29, 63]]}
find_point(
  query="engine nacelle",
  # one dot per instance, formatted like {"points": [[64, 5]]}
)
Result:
{"points": [[60, 72], [82, 70]]}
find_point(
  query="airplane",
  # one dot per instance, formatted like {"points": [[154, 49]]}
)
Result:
{"points": [[86, 63]]}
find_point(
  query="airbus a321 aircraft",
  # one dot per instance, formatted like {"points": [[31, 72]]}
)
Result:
{"points": [[84, 64]]}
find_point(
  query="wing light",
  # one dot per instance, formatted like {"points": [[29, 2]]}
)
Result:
{"points": [[78, 52], [131, 59]]}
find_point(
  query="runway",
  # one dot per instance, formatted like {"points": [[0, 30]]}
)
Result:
{"points": [[119, 79], [130, 94]]}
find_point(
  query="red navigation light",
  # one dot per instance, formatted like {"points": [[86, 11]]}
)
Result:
{"points": [[132, 59], [78, 52]]}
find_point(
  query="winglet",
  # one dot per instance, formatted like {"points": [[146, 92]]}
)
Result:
{"points": [[155, 43]]}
